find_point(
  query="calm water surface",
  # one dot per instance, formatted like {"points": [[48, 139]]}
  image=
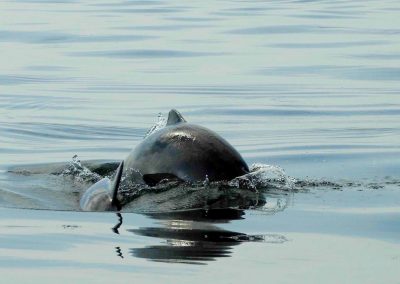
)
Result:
{"points": [[310, 86]]}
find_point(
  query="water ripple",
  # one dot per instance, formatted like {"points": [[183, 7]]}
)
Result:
{"points": [[145, 53], [310, 29], [280, 29], [155, 11], [32, 102], [330, 45], [52, 37], [343, 72], [377, 56], [29, 79], [44, 131], [286, 112], [130, 3]]}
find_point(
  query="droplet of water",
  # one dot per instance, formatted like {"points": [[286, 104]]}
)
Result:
{"points": [[161, 123], [79, 172], [265, 174], [206, 181]]}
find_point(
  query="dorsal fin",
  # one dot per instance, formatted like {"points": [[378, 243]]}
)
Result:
{"points": [[115, 186], [174, 117]]}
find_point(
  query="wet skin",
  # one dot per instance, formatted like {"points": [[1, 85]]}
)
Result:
{"points": [[187, 151], [181, 151]]}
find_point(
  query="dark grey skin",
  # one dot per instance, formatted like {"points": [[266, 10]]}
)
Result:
{"points": [[186, 151], [180, 151]]}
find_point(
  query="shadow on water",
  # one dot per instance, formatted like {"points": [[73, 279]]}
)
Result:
{"points": [[192, 236]]}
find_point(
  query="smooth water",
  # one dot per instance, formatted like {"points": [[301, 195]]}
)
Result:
{"points": [[311, 87]]}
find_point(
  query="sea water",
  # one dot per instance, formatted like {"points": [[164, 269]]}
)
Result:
{"points": [[309, 89]]}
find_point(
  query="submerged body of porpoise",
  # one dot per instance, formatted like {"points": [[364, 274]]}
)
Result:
{"points": [[180, 150]]}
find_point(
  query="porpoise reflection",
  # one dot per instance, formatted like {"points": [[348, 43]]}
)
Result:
{"points": [[196, 241]]}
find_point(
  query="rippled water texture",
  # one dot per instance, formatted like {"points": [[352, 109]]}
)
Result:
{"points": [[310, 86]]}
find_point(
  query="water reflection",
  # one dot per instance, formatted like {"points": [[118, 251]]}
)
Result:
{"points": [[192, 236], [223, 215], [118, 225], [188, 244]]}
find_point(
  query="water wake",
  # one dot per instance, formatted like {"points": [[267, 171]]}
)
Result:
{"points": [[266, 188]]}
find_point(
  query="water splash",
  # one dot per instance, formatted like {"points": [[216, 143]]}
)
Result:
{"points": [[264, 176], [80, 173], [267, 189], [160, 124]]}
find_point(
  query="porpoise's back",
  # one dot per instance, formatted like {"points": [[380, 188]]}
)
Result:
{"points": [[187, 151]]}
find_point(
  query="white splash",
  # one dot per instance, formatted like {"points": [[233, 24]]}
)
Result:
{"points": [[264, 173], [160, 124], [79, 172], [264, 176]]}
